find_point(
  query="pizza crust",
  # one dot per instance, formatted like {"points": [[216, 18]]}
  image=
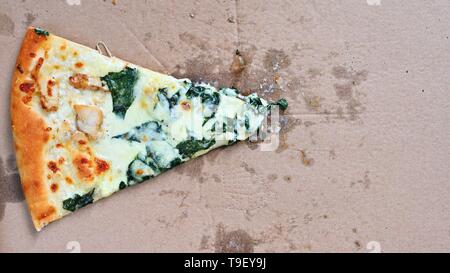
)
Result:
{"points": [[30, 135]]}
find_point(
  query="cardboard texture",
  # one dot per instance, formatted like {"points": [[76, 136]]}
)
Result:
{"points": [[363, 161]]}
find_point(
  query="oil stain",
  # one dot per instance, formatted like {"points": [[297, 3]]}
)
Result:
{"points": [[252, 145], [204, 242], [194, 41], [272, 177], [287, 178], [192, 168], [347, 92], [264, 81], [204, 68], [340, 72], [237, 241], [354, 108], [177, 194], [208, 68], [307, 219], [6, 25], [332, 155], [214, 154], [312, 102], [174, 222], [306, 160], [29, 18], [10, 187], [217, 178], [276, 60], [313, 73], [309, 123], [147, 37], [247, 168], [344, 91], [365, 182], [287, 124]]}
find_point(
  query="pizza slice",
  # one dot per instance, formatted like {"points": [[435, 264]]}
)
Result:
{"points": [[86, 125]]}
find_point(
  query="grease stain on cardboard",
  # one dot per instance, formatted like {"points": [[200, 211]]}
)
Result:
{"points": [[287, 178], [6, 25], [364, 182], [247, 168], [10, 187], [204, 243], [272, 177], [237, 241], [192, 168], [203, 68], [347, 92], [182, 195], [29, 18], [216, 178], [287, 124], [194, 41], [305, 159]]}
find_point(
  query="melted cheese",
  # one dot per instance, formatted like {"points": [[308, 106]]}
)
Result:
{"points": [[164, 114], [120, 153]]}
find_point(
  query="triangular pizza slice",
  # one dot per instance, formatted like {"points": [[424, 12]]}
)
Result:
{"points": [[86, 125]]}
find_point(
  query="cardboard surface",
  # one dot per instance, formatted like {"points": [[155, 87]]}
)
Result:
{"points": [[363, 161]]}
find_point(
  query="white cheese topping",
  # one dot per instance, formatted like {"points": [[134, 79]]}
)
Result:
{"points": [[167, 121]]}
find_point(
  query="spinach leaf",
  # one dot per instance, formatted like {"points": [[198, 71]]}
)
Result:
{"points": [[149, 161], [282, 103], [142, 132], [195, 91], [213, 98], [122, 185], [255, 101], [206, 119], [225, 128], [247, 123], [229, 125], [121, 85], [42, 32], [199, 91], [231, 142], [177, 161], [163, 91], [189, 147], [172, 100], [78, 201]]}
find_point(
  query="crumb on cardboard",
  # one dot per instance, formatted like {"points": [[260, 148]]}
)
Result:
{"points": [[277, 79], [313, 102], [305, 159], [238, 64]]}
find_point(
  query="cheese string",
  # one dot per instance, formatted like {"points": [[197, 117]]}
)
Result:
{"points": [[99, 46]]}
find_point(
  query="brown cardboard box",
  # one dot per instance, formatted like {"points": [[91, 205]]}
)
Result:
{"points": [[363, 161]]}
